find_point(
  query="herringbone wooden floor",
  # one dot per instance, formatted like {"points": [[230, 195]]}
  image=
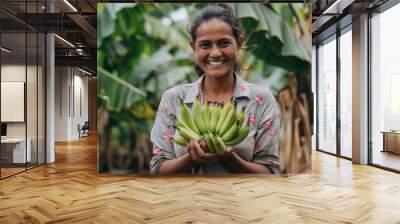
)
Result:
{"points": [[71, 191]]}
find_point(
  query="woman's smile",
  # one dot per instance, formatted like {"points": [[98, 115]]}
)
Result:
{"points": [[216, 63]]}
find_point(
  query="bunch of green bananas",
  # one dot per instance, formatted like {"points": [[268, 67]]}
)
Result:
{"points": [[220, 126]]}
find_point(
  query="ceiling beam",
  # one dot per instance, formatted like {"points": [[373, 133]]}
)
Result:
{"points": [[82, 61], [337, 7], [89, 30]]}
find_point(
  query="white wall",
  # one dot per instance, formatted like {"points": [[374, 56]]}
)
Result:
{"points": [[62, 81], [71, 94], [13, 73], [80, 109]]}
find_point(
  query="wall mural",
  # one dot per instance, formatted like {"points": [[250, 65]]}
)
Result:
{"points": [[204, 88]]}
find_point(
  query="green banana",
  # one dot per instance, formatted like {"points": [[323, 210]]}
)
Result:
{"points": [[232, 122], [229, 121], [219, 126], [188, 119], [188, 134], [180, 123], [180, 140], [220, 147], [206, 118], [210, 144], [241, 115], [214, 142], [198, 118], [231, 133], [215, 114], [242, 134], [223, 117]]}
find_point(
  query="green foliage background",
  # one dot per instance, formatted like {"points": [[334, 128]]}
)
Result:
{"points": [[144, 50]]}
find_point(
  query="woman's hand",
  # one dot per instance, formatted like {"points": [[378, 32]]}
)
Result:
{"points": [[237, 165], [198, 154]]}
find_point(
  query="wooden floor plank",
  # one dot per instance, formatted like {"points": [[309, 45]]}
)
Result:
{"points": [[71, 191]]}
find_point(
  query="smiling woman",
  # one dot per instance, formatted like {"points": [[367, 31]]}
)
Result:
{"points": [[216, 39]]}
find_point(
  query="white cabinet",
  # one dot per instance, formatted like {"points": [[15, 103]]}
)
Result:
{"points": [[18, 149]]}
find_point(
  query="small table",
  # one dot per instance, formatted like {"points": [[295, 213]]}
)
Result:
{"points": [[391, 141]]}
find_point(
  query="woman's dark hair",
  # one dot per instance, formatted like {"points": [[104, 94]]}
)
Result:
{"points": [[221, 11]]}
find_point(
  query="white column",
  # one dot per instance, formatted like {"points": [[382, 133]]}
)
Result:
{"points": [[50, 100], [360, 90]]}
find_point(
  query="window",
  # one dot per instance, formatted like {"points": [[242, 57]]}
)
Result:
{"points": [[327, 96], [346, 93], [385, 88]]}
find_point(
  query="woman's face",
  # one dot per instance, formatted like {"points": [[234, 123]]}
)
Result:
{"points": [[215, 48]]}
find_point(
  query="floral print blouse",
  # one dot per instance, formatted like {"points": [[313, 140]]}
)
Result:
{"points": [[262, 111]]}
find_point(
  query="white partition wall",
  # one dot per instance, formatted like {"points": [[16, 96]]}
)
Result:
{"points": [[13, 78], [22, 101]]}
